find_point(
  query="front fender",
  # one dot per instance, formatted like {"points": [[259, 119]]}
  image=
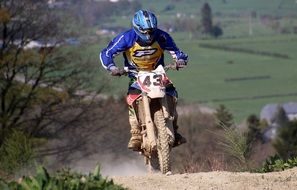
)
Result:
{"points": [[131, 98]]}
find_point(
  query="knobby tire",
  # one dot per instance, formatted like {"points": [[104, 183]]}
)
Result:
{"points": [[163, 145]]}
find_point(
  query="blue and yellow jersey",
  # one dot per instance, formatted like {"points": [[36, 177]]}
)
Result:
{"points": [[138, 56], [144, 58]]}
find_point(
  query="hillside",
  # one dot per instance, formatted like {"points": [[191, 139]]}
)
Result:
{"points": [[244, 65], [286, 180]]}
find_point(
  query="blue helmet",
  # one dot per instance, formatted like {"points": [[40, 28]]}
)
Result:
{"points": [[145, 25]]}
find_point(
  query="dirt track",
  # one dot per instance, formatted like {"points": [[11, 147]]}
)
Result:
{"points": [[286, 180]]}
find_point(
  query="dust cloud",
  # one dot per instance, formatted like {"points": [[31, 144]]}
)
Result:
{"points": [[112, 165]]}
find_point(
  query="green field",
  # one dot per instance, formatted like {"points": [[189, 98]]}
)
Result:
{"points": [[242, 81], [268, 79]]}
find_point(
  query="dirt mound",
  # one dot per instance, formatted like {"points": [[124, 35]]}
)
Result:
{"points": [[286, 180]]}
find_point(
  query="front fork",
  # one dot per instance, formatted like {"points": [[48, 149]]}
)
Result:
{"points": [[151, 144], [150, 130]]}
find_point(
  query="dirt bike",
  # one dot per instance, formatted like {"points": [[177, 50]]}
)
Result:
{"points": [[154, 117]]}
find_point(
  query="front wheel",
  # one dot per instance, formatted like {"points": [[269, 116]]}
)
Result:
{"points": [[163, 148]]}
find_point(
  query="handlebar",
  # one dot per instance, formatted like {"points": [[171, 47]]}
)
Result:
{"points": [[172, 66], [126, 70]]}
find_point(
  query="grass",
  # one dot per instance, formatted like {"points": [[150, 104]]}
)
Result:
{"points": [[235, 143]]}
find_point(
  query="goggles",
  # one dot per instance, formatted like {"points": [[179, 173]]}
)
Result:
{"points": [[149, 31]]}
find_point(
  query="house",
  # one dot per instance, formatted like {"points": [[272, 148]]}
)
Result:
{"points": [[291, 110], [268, 114], [268, 111]]}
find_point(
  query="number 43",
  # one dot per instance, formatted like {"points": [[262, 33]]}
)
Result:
{"points": [[156, 80]]}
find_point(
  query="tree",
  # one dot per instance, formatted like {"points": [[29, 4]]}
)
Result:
{"points": [[286, 142], [206, 20], [254, 131], [280, 118], [217, 31], [223, 117], [42, 90]]}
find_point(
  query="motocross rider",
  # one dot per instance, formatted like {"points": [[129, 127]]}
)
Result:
{"points": [[143, 49]]}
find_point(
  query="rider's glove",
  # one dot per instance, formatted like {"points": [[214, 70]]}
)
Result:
{"points": [[182, 60], [181, 63], [114, 71]]}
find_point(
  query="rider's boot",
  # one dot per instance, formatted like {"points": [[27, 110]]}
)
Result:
{"points": [[135, 140], [136, 137], [179, 139]]}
